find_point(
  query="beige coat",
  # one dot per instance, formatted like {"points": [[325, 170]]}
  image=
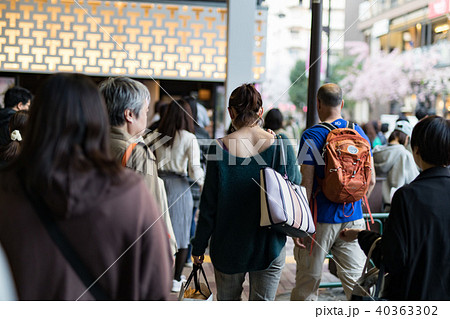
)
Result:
{"points": [[143, 161]]}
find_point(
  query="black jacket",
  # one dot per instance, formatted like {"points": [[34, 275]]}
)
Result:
{"points": [[5, 116], [415, 247]]}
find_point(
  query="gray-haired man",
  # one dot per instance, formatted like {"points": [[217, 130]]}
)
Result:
{"points": [[127, 101]]}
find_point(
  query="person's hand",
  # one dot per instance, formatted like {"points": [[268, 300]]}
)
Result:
{"points": [[299, 242], [349, 234], [198, 260], [271, 132]]}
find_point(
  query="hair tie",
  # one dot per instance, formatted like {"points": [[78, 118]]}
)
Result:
{"points": [[15, 135]]}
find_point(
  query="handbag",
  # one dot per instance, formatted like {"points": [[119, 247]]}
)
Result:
{"points": [[284, 205], [199, 291], [371, 283]]}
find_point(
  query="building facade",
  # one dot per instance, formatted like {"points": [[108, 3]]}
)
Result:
{"points": [[288, 40], [156, 42], [420, 30]]}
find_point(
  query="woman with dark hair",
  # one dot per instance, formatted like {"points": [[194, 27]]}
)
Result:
{"points": [[415, 246], [395, 162], [16, 128], [230, 208], [371, 133], [203, 137], [72, 219], [179, 157], [273, 120], [160, 108], [377, 126]]}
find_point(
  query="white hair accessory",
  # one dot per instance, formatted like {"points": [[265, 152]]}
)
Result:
{"points": [[15, 135]]}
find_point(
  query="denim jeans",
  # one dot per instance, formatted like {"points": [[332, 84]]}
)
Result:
{"points": [[263, 283]]}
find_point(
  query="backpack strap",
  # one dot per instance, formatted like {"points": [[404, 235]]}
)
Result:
{"points": [[127, 154], [274, 152], [366, 202], [351, 125], [328, 126]]}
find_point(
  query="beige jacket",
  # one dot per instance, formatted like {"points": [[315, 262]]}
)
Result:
{"points": [[143, 161]]}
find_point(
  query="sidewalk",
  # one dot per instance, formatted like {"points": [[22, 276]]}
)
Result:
{"points": [[287, 281]]}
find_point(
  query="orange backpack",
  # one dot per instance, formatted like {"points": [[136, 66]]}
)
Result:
{"points": [[347, 164]]}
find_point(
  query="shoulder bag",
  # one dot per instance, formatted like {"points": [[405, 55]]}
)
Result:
{"points": [[284, 205]]}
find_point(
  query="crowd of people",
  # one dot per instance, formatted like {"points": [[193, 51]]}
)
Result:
{"points": [[101, 203]]}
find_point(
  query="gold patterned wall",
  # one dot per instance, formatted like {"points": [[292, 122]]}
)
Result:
{"points": [[259, 52], [164, 41]]}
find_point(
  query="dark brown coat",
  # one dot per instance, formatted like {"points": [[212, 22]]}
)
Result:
{"points": [[101, 219]]}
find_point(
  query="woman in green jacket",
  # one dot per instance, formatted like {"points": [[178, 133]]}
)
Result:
{"points": [[230, 207]]}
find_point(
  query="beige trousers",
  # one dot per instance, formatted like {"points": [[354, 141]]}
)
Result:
{"points": [[349, 259]]}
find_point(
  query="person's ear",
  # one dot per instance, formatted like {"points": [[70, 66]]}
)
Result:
{"points": [[342, 104], [261, 112], [129, 116]]}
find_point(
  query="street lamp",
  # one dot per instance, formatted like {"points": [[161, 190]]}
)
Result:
{"points": [[314, 62]]}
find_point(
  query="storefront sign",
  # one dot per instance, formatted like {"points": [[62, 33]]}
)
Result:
{"points": [[380, 28], [438, 8], [131, 38]]}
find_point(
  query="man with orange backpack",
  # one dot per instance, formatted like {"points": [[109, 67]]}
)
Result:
{"points": [[338, 173]]}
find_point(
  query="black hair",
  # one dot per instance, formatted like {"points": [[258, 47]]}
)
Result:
{"points": [[193, 104], [421, 113], [158, 105], [431, 136], [246, 101], [77, 137], [15, 95], [177, 117], [375, 126], [400, 136], [402, 117], [273, 120], [330, 94], [11, 150]]}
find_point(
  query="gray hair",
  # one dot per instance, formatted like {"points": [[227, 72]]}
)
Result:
{"points": [[121, 94]]}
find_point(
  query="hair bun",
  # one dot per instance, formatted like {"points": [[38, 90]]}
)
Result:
{"points": [[246, 101]]}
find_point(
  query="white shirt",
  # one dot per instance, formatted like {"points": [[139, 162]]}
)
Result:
{"points": [[182, 158]]}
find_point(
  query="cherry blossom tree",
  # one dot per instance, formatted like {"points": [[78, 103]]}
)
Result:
{"points": [[381, 78]]}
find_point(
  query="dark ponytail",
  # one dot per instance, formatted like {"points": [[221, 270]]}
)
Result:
{"points": [[246, 102], [11, 150]]}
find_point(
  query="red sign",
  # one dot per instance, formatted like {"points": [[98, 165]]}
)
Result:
{"points": [[438, 8]]}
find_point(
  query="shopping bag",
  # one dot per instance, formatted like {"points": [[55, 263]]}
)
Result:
{"points": [[370, 286], [193, 289]]}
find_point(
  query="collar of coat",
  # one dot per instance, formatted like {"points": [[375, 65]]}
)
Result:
{"points": [[438, 171]]}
